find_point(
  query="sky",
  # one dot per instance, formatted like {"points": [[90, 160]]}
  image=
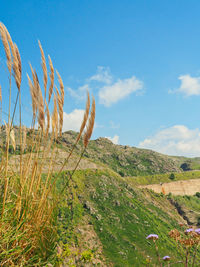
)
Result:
{"points": [[139, 58]]}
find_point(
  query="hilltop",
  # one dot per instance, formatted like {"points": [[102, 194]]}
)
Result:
{"points": [[125, 160], [130, 161]]}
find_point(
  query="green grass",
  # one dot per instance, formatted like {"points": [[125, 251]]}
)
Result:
{"points": [[163, 178], [123, 217]]}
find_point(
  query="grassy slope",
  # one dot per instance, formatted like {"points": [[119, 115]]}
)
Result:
{"points": [[189, 206], [163, 178], [129, 161], [122, 217]]}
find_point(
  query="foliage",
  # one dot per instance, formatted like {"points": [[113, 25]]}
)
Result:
{"points": [[186, 166], [163, 178], [29, 199], [197, 194], [123, 217], [188, 242], [172, 176]]}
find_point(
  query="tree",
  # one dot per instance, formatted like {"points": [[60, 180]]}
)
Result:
{"points": [[185, 166], [172, 176]]}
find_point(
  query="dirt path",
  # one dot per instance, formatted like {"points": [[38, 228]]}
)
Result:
{"points": [[187, 187]]}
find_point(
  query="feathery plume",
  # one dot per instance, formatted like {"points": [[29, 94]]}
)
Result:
{"points": [[51, 78], [62, 91], [35, 87], [44, 68], [55, 118], [32, 96], [41, 117], [12, 138], [18, 78], [6, 46], [15, 59], [48, 118], [60, 111], [90, 126], [85, 118]]}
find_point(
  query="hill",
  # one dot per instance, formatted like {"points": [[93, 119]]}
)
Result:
{"points": [[130, 161], [103, 215], [122, 216]]}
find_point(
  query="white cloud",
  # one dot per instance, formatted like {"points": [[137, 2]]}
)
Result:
{"points": [[110, 94], [114, 139], [102, 75], [177, 140], [189, 85], [110, 91], [114, 125], [72, 121], [80, 93]]}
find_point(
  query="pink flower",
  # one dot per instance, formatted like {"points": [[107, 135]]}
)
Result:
{"points": [[152, 236], [166, 258]]}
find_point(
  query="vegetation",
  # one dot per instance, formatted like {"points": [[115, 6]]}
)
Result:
{"points": [[122, 218], [163, 178], [28, 199], [47, 213], [172, 176]]}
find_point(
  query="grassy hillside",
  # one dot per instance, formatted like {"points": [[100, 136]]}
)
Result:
{"points": [[104, 219], [122, 217], [129, 161], [125, 160], [163, 178]]}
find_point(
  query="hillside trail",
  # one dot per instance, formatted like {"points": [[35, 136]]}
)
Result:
{"points": [[181, 188]]}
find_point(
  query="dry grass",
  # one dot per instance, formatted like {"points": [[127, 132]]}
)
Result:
{"points": [[28, 199]]}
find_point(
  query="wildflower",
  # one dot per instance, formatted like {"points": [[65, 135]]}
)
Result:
{"points": [[197, 231], [152, 236], [166, 258], [174, 234], [189, 230]]}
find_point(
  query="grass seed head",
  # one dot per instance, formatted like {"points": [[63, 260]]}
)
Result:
{"points": [[90, 126], [4, 39], [44, 68], [51, 79]]}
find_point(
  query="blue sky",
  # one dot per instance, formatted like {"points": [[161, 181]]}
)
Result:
{"points": [[140, 59]]}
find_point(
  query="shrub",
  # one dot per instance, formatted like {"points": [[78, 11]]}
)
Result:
{"points": [[185, 166], [172, 176]]}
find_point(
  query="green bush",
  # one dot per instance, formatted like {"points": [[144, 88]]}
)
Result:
{"points": [[172, 176], [197, 194]]}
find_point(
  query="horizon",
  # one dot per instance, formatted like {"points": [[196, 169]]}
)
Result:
{"points": [[140, 60]]}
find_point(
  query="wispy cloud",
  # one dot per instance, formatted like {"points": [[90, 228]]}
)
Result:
{"points": [[102, 75], [176, 140], [114, 139], [110, 90], [114, 125], [189, 85], [111, 94], [80, 93]]}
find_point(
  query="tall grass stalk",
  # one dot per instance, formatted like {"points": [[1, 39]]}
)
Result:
{"points": [[28, 197]]}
